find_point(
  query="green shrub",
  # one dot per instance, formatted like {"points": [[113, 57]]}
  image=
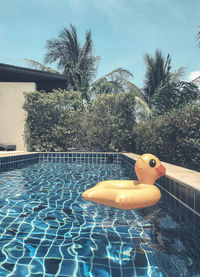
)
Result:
{"points": [[57, 121], [173, 137], [52, 120], [107, 124]]}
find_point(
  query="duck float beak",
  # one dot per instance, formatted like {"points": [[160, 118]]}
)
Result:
{"points": [[160, 170]]}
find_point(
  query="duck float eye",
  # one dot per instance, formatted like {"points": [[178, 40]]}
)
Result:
{"points": [[152, 163]]}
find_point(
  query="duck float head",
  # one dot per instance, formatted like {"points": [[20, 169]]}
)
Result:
{"points": [[130, 194], [148, 169]]}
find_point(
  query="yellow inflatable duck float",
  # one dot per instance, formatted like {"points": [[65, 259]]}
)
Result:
{"points": [[130, 194]]}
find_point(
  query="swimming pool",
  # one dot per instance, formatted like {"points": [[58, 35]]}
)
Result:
{"points": [[47, 229]]}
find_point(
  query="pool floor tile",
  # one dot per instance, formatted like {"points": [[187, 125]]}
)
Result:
{"points": [[68, 267]]}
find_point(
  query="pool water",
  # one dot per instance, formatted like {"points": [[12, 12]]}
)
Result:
{"points": [[47, 229]]}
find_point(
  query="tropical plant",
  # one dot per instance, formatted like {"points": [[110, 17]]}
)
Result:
{"points": [[173, 95], [108, 122], [75, 62], [174, 136], [117, 82], [111, 83], [158, 72], [79, 66]]}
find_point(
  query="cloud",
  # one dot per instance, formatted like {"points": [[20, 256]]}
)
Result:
{"points": [[193, 75]]}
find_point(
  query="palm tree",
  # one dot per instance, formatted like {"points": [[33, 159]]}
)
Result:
{"points": [[76, 63], [79, 66], [117, 81], [158, 72]]}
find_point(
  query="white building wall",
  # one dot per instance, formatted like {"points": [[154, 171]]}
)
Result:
{"points": [[12, 116]]}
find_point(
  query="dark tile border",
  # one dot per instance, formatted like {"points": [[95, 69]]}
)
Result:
{"points": [[80, 157], [187, 195], [12, 162]]}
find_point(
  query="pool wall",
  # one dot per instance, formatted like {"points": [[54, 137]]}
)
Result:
{"points": [[182, 194], [17, 161], [182, 197], [80, 157]]}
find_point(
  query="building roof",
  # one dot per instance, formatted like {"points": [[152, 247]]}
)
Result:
{"points": [[11, 73], [44, 80]]}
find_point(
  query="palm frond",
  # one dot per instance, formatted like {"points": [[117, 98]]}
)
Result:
{"points": [[198, 36], [131, 87], [176, 75], [142, 109], [116, 73], [40, 66]]}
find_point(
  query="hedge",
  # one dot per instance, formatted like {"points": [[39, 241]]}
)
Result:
{"points": [[173, 96], [52, 120], [173, 137], [58, 121], [107, 124]]}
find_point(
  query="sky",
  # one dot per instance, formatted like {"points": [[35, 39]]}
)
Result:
{"points": [[123, 31]]}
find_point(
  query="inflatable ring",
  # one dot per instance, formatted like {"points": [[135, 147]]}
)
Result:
{"points": [[130, 194]]}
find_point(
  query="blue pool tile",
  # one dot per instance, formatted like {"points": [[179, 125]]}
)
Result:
{"points": [[176, 187], [117, 272], [8, 266], [190, 197], [129, 272], [20, 270], [52, 265], [24, 261], [54, 252], [36, 266], [197, 201], [68, 267], [100, 270], [183, 193], [197, 223]]}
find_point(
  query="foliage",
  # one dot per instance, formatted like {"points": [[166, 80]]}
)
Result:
{"points": [[111, 83], [57, 121], [117, 82], [52, 120], [173, 96], [77, 63], [173, 137], [79, 66], [108, 123], [40, 66], [158, 72]]}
